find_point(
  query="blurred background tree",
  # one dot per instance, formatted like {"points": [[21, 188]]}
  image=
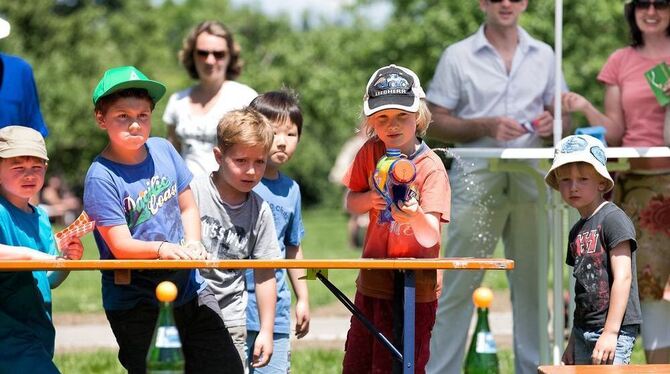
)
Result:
{"points": [[70, 43]]}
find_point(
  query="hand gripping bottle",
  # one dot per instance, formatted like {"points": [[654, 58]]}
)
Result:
{"points": [[482, 356], [392, 178], [165, 355]]}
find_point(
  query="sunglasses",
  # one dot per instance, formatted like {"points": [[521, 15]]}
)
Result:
{"points": [[219, 55], [500, 1], [646, 4]]}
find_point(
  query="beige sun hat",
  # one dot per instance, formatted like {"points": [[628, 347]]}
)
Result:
{"points": [[579, 148], [18, 141], [4, 28]]}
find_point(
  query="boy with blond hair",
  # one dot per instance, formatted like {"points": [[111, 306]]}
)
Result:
{"points": [[395, 117], [283, 195], [137, 191], [601, 250], [237, 224], [26, 331]]}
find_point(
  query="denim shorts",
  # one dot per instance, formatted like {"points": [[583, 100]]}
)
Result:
{"points": [[280, 362], [585, 342]]}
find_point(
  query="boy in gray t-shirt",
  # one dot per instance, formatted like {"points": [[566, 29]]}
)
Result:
{"points": [[238, 224], [601, 250]]}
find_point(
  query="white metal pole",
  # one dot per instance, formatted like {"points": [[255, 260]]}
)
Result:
{"points": [[557, 227], [558, 50]]}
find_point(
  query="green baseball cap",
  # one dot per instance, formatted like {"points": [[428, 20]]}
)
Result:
{"points": [[123, 77]]}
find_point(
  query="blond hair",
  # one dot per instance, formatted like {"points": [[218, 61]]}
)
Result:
{"points": [[423, 119], [246, 127]]}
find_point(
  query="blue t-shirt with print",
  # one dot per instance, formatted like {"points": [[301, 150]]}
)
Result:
{"points": [[144, 197], [26, 332], [283, 195]]}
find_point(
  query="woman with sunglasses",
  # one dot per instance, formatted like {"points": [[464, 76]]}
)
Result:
{"points": [[210, 55], [634, 118]]}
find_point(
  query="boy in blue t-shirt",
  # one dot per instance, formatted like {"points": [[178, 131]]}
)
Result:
{"points": [[283, 195], [137, 190], [26, 332]]}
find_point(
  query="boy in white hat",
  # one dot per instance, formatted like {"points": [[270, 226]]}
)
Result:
{"points": [[26, 332], [601, 244]]}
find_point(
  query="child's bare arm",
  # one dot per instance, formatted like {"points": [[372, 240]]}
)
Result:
{"points": [[426, 226], [190, 219], [73, 250], [363, 202], [266, 295], [300, 288], [10, 252], [123, 246], [620, 260], [190, 215]]}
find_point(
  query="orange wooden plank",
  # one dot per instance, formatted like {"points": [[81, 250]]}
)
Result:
{"points": [[606, 369], [464, 263]]}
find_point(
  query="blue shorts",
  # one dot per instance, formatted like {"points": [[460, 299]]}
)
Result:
{"points": [[585, 342], [280, 362]]}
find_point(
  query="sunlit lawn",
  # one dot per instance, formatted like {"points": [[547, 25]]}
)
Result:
{"points": [[326, 237]]}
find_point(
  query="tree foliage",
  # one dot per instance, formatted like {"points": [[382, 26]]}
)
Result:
{"points": [[70, 43]]}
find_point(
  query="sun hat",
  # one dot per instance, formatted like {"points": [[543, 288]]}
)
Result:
{"points": [[4, 28], [17, 141], [392, 87], [123, 77], [579, 148]]}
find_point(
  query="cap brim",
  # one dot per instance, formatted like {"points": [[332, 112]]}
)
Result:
{"points": [[4, 28], [23, 152], [403, 102], [155, 89], [550, 178]]}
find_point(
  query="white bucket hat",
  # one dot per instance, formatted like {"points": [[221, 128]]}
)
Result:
{"points": [[4, 28], [579, 148]]}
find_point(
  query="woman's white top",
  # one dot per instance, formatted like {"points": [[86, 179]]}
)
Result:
{"points": [[197, 132]]}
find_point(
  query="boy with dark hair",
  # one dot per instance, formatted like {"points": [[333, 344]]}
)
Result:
{"points": [[137, 190]]}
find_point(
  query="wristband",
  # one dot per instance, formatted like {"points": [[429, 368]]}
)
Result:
{"points": [[158, 251]]}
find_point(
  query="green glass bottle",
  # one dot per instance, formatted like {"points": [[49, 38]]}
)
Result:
{"points": [[482, 356], [165, 355]]}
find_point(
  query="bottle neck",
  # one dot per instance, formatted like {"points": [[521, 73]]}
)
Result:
{"points": [[482, 319]]}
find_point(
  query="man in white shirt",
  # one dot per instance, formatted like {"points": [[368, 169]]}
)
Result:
{"points": [[492, 89]]}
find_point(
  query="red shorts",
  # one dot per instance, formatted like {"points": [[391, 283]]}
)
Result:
{"points": [[364, 353]]}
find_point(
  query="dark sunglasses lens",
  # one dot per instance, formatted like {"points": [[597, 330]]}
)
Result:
{"points": [[500, 1], [662, 4], [217, 54]]}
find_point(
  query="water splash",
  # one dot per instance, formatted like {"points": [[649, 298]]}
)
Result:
{"points": [[482, 220]]}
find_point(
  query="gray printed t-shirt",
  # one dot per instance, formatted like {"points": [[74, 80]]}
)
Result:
{"points": [[591, 240], [246, 231]]}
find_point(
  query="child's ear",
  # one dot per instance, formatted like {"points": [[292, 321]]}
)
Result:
{"points": [[602, 185], [100, 119], [218, 155]]}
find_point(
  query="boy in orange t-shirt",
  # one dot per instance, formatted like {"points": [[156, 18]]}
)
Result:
{"points": [[395, 114]]}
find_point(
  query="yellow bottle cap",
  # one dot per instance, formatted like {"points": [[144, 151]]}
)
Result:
{"points": [[482, 297], [166, 292]]}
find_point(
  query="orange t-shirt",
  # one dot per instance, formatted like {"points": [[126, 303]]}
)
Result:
{"points": [[433, 193]]}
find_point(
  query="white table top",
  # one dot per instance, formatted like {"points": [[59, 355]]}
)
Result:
{"points": [[548, 153]]}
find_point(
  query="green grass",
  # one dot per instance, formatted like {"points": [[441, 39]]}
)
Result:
{"points": [[102, 361], [305, 361]]}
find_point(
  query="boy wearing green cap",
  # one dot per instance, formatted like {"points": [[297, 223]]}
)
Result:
{"points": [[137, 190]]}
